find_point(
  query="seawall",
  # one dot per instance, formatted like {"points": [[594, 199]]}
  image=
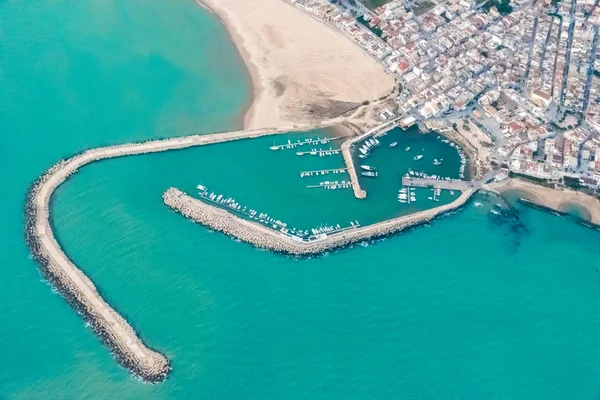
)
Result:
{"points": [[73, 284], [266, 238]]}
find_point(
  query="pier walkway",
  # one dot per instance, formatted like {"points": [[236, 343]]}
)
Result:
{"points": [[360, 193], [453, 184], [75, 286]]}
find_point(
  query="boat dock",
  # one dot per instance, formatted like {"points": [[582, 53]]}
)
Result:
{"points": [[331, 185], [292, 145], [319, 152], [323, 172], [229, 204], [452, 184]]}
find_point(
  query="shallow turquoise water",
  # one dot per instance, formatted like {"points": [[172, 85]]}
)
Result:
{"points": [[470, 307]]}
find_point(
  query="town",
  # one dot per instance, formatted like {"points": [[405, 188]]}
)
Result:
{"points": [[519, 81]]}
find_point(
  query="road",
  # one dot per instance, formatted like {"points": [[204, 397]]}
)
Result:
{"points": [[571, 30], [590, 71], [529, 54]]}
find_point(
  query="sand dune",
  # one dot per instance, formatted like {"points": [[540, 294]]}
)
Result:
{"points": [[302, 70]]}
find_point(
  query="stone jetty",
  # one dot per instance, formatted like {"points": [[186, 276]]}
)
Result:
{"points": [[73, 284], [260, 236]]}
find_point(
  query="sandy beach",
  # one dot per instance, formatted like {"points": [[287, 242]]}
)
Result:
{"points": [[558, 200], [302, 70]]}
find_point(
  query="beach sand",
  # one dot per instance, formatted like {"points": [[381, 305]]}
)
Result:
{"points": [[558, 200], [302, 70]]}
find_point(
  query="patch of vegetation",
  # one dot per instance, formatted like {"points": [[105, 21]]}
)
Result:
{"points": [[573, 183], [503, 6], [373, 4], [374, 29], [423, 7]]}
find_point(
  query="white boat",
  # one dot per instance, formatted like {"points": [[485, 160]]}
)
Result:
{"points": [[477, 204], [368, 168], [394, 144], [417, 158], [368, 144], [407, 149], [372, 174], [362, 156], [201, 188], [437, 162], [362, 150]]}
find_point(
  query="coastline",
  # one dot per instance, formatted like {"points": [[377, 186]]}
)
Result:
{"points": [[557, 200], [331, 76]]}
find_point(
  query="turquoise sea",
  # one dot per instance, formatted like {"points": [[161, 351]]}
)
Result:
{"points": [[472, 307]]}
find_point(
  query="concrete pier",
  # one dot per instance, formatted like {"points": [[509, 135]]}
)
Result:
{"points": [[453, 184], [360, 193], [263, 237], [74, 285]]}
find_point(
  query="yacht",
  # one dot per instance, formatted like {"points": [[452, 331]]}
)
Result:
{"points": [[368, 168]]}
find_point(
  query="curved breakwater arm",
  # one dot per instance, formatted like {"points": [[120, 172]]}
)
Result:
{"points": [[75, 286], [269, 239]]}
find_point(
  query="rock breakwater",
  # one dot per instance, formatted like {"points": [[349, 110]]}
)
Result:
{"points": [[265, 238], [72, 283]]}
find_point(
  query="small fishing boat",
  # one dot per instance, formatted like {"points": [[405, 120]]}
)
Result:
{"points": [[407, 149], [368, 168], [417, 158], [393, 144]]}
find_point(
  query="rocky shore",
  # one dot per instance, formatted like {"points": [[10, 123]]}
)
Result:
{"points": [[265, 238], [72, 283]]}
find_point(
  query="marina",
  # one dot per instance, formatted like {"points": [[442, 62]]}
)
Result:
{"points": [[305, 235]]}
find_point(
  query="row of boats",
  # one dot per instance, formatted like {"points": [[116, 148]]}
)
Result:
{"points": [[323, 172], [367, 146], [270, 222], [436, 194], [332, 185], [291, 145], [369, 171], [461, 154], [320, 152], [407, 195]]}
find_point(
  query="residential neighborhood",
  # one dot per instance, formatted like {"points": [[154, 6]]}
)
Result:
{"points": [[525, 74]]}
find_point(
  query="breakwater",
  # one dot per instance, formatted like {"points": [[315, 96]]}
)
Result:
{"points": [[265, 238], [73, 284]]}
